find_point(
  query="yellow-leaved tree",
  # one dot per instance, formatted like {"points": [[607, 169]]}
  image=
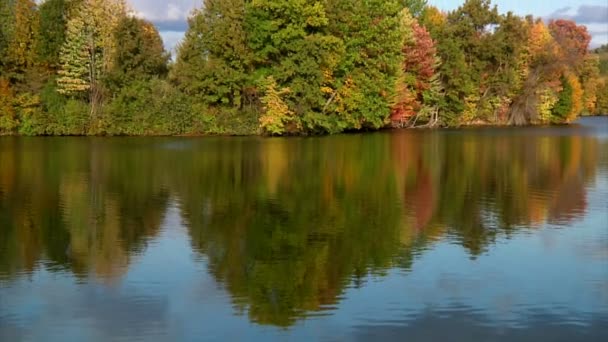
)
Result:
{"points": [[8, 121], [276, 113], [21, 49], [87, 54]]}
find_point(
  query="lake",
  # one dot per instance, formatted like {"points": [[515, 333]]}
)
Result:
{"points": [[473, 234]]}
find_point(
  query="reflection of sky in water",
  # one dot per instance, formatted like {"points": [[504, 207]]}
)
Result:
{"points": [[535, 278], [538, 281]]}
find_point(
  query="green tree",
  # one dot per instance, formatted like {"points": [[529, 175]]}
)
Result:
{"points": [[564, 104], [602, 99], [415, 7], [291, 44], [140, 53], [214, 62], [361, 86], [7, 23], [53, 21]]}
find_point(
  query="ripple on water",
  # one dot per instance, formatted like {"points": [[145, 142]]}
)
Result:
{"points": [[486, 234]]}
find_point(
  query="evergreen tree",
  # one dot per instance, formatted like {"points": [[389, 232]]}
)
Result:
{"points": [[214, 62], [565, 103], [291, 44], [140, 53], [7, 23], [53, 21]]}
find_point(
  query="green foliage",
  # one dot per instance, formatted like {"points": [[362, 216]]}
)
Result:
{"points": [[603, 67], [31, 117], [340, 71], [87, 67], [602, 53], [7, 23], [75, 118], [565, 102], [214, 62], [53, 15], [148, 107], [602, 99], [140, 53], [415, 7], [363, 80]]}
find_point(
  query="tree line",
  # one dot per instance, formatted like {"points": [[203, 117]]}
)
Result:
{"points": [[80, 67]]}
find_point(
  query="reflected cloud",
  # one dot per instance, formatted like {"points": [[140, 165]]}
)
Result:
{"points": [[286, 226]]}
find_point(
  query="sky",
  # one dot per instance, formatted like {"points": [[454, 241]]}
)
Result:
{"points": [[170, 15]]}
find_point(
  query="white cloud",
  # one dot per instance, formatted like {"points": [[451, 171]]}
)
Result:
{"points": [[172, 39], [165, 10], [169, 16]]}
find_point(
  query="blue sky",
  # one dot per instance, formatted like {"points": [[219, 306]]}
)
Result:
{"points": [[170, 15]]}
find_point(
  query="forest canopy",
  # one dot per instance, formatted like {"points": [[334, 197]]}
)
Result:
{"points": [[292, 67]]}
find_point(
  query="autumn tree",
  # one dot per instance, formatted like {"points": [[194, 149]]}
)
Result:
{"points": [[8, 120], [290, 67], [87, 54], [541, 70], [276, 114], [573, 40], [418, 86], [464, 44], [21, 49], [552, 67]]}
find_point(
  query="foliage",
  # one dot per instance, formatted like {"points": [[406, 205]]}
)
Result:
{"points": [[276, 113], [418, 86], [289, 67], [8, 120], [21, 49], [140, 54], [415, 7], [148, 107], [88, 53], [30, 115], [590, 78], [214, 62], [602, 98], [52, 30], [6, 31], [564, 105]]}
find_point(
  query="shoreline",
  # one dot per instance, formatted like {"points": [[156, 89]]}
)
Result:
{"points": [[473, 126]]}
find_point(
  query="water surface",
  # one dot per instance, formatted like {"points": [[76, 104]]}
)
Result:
{"points": [[475, 234]]}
